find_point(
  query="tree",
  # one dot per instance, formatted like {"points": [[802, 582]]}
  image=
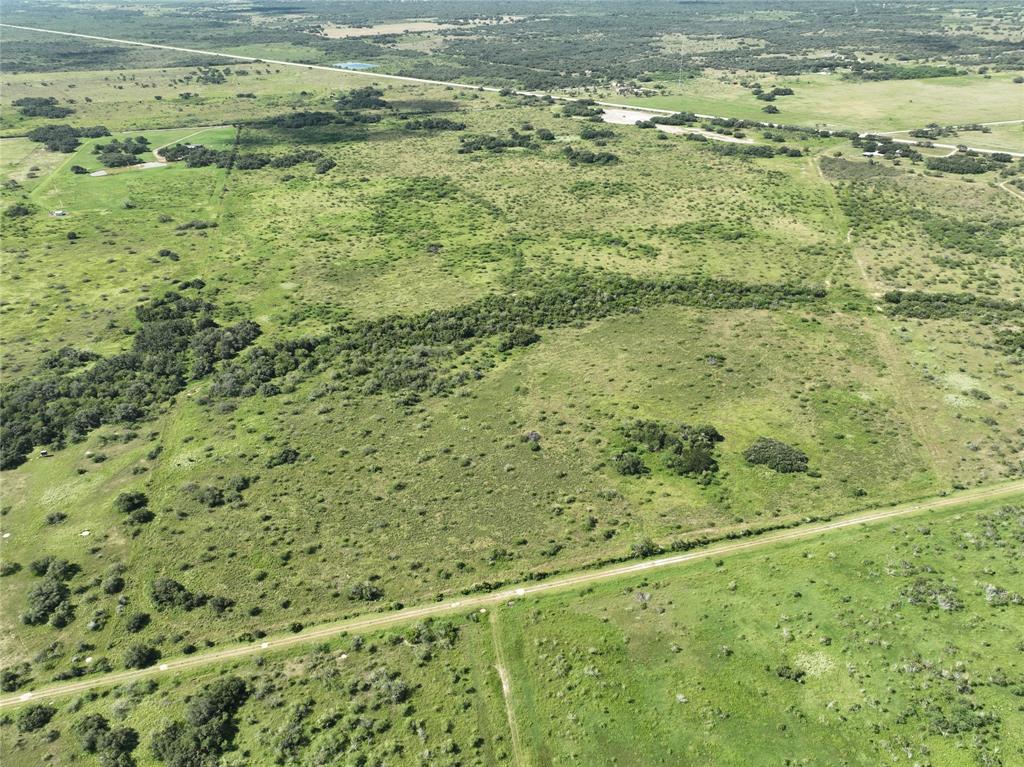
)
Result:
{"points": [[692, 460], [208, 730], [136, 622], [90, 730], [644, 548], [35, 717], [44, 599], [141, 656], [128, 502], [167, 593], [18, 210]]}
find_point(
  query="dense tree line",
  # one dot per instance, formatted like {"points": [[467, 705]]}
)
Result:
{"points": [[176, 341], [550, 48], [962, 163], [965, 306], [875, 70], [886, 146], [199, 156], [302, 119], [434, 124], [421, 352]]}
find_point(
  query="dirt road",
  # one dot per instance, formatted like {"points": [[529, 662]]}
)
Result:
{"points": [[482, 601]]}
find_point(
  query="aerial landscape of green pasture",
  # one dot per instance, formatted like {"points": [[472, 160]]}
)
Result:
{"points": [[597, 383]]}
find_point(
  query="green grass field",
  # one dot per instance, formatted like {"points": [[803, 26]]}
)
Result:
{"points": [[463, 299], [899, 646], [830, 102]]}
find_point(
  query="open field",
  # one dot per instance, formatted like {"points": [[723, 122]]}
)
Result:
{"points": [[830, 102], [651, 669], [855, 658], [411, 224], [287, 351]]}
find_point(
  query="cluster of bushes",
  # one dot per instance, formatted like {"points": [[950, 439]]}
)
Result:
{"points": [[361, 98], [776, 455], [885, 145], [932, 593], [176, 341], [520, 336], [134, 505], [689, 450], [434, 123], [209, 76], [586, 157], [15, 677], [41, 106], [417, 352], [19, 210], [113, 746], [49, 600], [121, 153], [470, 144], [976, 237], [169, 594], [35, 717], [582, 108], [209, 728], [593, 133], [763, 95], [64, 138], [1010, 341]]}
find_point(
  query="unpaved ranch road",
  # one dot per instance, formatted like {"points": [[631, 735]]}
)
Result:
{"points": [[375, 621], [644, 111]]}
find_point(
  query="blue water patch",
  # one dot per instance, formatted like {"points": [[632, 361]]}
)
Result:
{"points": [[354, 65]]}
